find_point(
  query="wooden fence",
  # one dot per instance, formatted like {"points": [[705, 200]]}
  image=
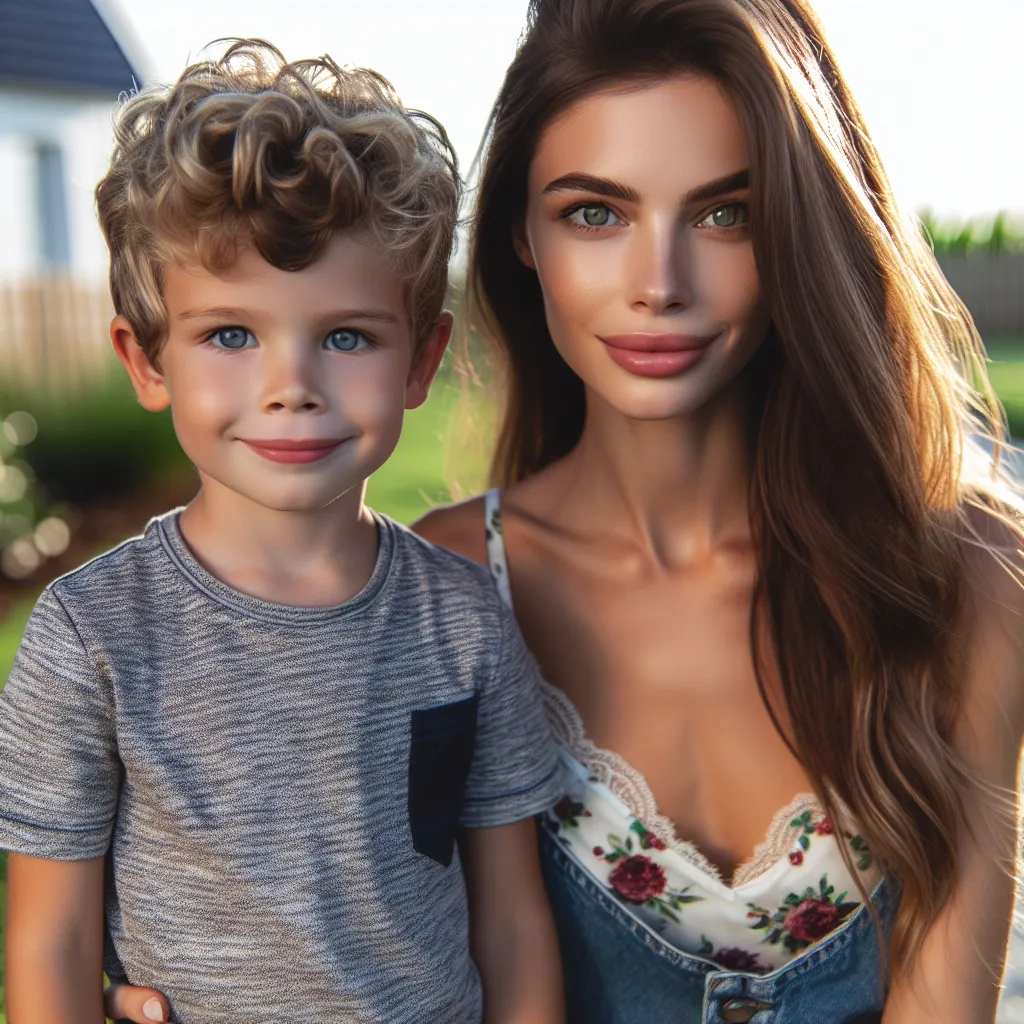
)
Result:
{"points": [[992, 288], [54, 332]]}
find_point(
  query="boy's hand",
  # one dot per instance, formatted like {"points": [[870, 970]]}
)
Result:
{"points": [[129, 1002]]}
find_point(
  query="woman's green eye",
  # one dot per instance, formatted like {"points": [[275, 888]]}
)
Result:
{"points": [[732, 215], [596, 216], [346, 340]]}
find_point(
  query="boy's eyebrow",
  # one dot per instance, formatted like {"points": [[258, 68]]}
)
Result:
{"points": [[225, 313], [616, 190], [212, 314]]}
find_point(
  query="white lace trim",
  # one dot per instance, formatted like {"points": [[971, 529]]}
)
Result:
{"points": [[778, 842], [631, 787]]}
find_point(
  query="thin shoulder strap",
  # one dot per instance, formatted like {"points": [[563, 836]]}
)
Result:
{"points": [[497, 559]]}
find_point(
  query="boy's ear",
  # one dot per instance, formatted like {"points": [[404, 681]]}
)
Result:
{"points": [[427, 361], [148, 382]]}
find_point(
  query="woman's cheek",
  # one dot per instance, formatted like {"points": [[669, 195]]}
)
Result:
{"points": [[732, 283], [578, 280]]}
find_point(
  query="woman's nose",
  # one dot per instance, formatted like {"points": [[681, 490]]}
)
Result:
{"points": [[660, 269]]}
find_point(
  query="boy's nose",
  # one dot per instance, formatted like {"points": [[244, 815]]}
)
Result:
{"points": [[290, 385], [294, 397]]}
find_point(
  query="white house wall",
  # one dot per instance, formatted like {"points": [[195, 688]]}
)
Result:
{"points": [[18, 228], [81, 129]]}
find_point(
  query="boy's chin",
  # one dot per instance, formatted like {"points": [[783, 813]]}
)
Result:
{"points": [[231, 497], [307, 503]]}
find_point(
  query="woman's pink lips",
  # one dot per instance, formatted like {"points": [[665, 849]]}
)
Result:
{"points": [[656, 355], [293, 451]]}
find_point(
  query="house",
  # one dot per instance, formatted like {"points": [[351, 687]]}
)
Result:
{"points": [[61, 71]]}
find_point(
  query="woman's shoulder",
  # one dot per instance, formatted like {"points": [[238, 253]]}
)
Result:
{"points": [[458, 527], [993, 559]]}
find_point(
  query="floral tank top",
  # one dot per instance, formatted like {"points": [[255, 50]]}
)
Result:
{"points": [[794, 891]]}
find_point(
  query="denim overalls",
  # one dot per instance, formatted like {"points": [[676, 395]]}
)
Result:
{"points": [[617, 971]]}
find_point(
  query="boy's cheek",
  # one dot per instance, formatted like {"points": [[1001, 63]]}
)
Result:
{"points": [[372, 398], [202, 418], [378, 420]]}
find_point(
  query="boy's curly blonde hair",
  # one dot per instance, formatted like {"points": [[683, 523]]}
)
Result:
{"points": [[252, 150]]}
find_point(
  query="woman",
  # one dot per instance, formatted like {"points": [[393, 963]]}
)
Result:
{"points": [[774, 592]]}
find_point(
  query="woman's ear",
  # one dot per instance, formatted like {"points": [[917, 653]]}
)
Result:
{"points": [[146, 379], [522, 247]]}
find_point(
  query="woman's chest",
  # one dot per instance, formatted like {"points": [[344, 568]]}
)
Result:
{"points": [[661, 673]]}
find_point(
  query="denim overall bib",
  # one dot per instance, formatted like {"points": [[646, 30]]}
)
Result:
{"points": [[618, 971]]}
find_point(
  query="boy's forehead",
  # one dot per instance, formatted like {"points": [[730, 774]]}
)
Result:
{"points": [[353, 271]]}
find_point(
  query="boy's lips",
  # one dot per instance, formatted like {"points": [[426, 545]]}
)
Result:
{"points": [[294, 450], [656, 355]]}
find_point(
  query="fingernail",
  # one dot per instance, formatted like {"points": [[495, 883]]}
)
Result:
{"points": [[152, 1010]]}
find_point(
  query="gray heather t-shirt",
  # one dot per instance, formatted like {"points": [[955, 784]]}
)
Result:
{"points": [[276, 789]]}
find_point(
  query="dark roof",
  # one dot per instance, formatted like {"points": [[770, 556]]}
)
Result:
{"points": [[62, 44]]}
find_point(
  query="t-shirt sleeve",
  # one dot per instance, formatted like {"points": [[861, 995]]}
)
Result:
{"points": [[59, 769], [515, 770]]}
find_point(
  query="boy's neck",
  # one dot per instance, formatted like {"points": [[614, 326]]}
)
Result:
{"points": [[311, 558]]}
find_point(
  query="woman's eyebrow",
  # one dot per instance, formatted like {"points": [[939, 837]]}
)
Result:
{"points": [[718, 187], [616, 190], [590, 183]]}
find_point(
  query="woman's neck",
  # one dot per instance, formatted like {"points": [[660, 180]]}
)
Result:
{"points": [[678, 488]]}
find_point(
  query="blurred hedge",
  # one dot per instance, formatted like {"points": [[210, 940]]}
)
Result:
{"points": [[958, 237], [94, 442]]}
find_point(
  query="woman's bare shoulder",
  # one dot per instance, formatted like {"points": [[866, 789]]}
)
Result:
{"points": [[458, 527], [994, 577], [994, 566]]}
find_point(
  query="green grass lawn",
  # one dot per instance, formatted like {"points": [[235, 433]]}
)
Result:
{"points": [[1006, 371]]}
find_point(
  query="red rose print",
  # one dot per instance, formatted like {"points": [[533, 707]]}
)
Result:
{"points": [[563, 808], [654, 842], [811, 920], [598, 851], [796, 857], [737, 960], [824, 827], [638, 879]]}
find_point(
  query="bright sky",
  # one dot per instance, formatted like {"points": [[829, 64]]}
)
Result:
{"points": [[939, 81]]}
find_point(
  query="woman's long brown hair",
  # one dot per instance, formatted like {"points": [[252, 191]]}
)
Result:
{"points": [[867, 388]]}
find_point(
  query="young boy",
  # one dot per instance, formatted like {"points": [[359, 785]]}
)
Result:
{"points": [[258, 726]]}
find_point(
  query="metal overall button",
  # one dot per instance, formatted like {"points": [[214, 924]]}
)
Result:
{"points": [[739, 1011]]}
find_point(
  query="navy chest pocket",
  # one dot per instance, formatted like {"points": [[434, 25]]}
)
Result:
{"points": [[440, 755]]}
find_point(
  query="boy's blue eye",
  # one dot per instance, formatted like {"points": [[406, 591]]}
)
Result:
{"points": [[346, 339], [232, 338]]}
